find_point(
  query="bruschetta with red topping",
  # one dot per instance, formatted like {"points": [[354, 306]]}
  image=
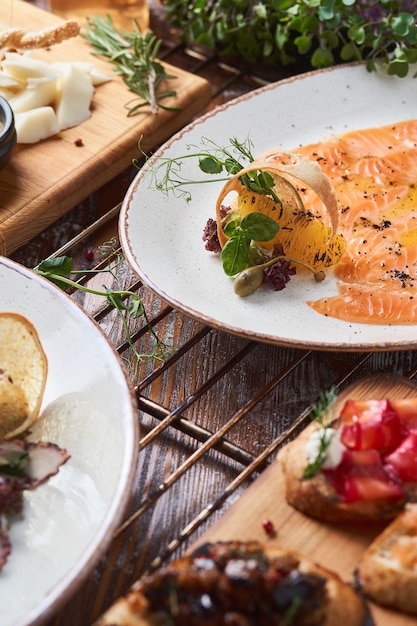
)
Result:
{"points": [[362, 465]]}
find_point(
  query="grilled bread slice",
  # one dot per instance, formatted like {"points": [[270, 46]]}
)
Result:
{"points": [[240, 583], [387, 572], [359, 465], [317, 497]]}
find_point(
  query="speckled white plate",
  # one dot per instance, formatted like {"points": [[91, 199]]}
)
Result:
{"points": [[90, 410], [161, 235]]}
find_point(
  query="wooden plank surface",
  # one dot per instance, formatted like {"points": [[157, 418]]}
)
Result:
{"points": [[338, 547], [44, 181]]}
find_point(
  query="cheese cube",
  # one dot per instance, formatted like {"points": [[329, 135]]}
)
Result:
{"points": [[38, 93], [32, 126], [23, 66], [74, 94]]}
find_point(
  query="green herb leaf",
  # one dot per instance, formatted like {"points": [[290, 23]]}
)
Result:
{"points": [[281, 32], [231, 226], [125, 302], [259, 227], [320, 409], [319, 413], [14, 463], [235, 253], [60, 266], [210, 165]]}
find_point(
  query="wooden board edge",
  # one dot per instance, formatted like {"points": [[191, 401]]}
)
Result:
{"points": [[265, 498]]}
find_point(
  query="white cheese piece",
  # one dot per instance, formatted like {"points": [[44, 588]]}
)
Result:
{"points": [[98, 78], [74, 94], [23, 66], [32, 126], [38, 93], [11, 83], [334, 449], [32, 85]]}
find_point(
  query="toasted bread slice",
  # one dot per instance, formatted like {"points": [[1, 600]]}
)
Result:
{"points": [[23, 373], [317, 498], [236, 582], [387, 572]]}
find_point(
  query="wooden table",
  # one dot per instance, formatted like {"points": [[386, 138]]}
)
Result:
{"points": [[210, 425]]}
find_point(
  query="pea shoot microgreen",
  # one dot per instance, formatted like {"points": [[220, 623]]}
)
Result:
{"points": [[134, 56], [242, 251], [127, 303], [220, 162], [318, 413]]}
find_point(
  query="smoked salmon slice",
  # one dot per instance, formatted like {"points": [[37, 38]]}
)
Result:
{"points": [[359, 304], [374, 174]]}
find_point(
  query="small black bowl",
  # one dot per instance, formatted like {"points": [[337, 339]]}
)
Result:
{"points": [[7, 132]]}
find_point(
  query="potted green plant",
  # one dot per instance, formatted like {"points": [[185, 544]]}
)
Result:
{"points": [[285, 32]]}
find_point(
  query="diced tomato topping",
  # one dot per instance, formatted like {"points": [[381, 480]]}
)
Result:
{"points": [[361, 476], [370, 424], [404, 459], [406, 410], [380, 437], [368, 488]]}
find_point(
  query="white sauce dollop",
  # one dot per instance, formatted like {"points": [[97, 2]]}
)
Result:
{"points": [[334, 449]]}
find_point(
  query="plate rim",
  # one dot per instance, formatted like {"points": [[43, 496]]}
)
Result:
{"points": [[123, 229], [79, 570]]}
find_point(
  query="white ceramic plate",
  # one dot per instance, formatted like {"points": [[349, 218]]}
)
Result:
{"points": [[161, 236], [90, 410]]}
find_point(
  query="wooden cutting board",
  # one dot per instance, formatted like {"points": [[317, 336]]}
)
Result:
{"points": [[338, 547], [44, 181]]}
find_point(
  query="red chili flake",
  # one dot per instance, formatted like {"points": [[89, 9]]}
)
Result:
{"points": [[89, 254], [268, 526], [79, 142]]}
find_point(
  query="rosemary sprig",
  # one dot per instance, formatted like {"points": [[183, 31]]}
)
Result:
{"points": [[320, 409], [125, 302], [318, 412], [134, 56]]}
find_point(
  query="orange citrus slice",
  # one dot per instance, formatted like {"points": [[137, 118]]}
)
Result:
{"points": [[302, 235]]}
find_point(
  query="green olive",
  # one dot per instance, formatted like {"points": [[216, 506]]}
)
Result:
{"points": [[319, 276], [248, 280]]}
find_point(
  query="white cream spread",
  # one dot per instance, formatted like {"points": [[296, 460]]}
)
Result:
{"points": [[334, 447]]}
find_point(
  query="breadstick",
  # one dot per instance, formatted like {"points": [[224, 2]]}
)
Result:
{"points": [[20, 38]]}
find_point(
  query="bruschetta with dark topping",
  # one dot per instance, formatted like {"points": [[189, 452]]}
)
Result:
{"points": [[240, 584]]}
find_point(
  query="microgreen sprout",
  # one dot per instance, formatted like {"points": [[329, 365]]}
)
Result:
{"points": [[220, 162], [242, 256], [125, 302], [319, 412]]}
